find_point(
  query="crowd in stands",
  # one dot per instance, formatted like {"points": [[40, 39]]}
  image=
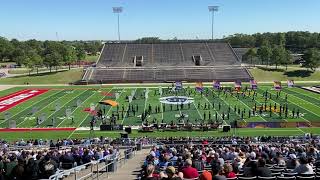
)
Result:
{"points": [[232, 158], [37, 161]]}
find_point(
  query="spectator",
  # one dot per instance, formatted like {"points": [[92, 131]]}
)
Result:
{"points": [[1, 168], [292, 162], [304, 167], [188, 171], [228, 171], [32, 169], [48, 167], [10, 164], [262, 170], [217, 171], [170, 174], [19, 170], [67, 160], [149, 173], [250, 168]]}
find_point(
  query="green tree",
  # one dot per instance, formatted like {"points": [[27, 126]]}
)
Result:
{"points": [[81, 54], [6, 49], [279, 55], [69, 55], [52, 60], [36, 59], [312, 59], [251, 54], [264, 53], [149, 40], [288, 58]]}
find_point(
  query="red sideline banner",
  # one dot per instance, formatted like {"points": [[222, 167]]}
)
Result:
{"points": [[35, 129], [16, 98]]}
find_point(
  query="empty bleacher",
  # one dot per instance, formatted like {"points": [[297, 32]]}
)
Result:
{"points": [[111, 55], [164, 62]]}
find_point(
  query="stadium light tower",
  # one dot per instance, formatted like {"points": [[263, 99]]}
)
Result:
{"points": [[212, 9], [118, 10]]}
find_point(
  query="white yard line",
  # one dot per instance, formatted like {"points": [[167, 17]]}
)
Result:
{"points": [[298, 92], [229, 104], [128, 107], [40, 111], [301, 130], [145, 103], [87, 116], [197, 110], [77, 107], [62, 106], [29, 107], [216, 110], [307, 102], [299, 106], [274, 102], [115, 99], [250, 109]]}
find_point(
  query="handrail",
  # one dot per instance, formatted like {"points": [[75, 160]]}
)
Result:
{"points": [[94, 166]]}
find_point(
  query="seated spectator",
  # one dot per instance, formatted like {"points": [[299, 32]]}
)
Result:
{"points": [[67, 160], [48, 167], [262, 170], [32, 169], [205, 175], [197, 162], [228, 171], [188, 171], [304, 167], [1, 168], [171, 174], [250, 168], [19, 170], [292, 162], [10, 164], [149, 173], [217, 171]]}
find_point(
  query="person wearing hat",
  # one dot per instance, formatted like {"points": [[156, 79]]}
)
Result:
{"points": [[188, 171], [292, 162], [170, 174]]}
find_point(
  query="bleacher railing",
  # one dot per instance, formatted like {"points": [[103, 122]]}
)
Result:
{"points": [[106, 165]]}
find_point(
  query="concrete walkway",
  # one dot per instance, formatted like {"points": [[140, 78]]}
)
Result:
{"points": [[131, 168]]}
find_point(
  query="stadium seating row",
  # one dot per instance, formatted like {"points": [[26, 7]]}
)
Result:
{"points": [[177, 74], [168, 54]]}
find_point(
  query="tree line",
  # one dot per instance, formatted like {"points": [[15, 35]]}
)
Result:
{"points": [[34, 54], [277, 48], [292, 40]]}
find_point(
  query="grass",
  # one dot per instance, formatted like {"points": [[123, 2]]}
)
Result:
{"points": [[91, 58], [306, 102], [12, 136], [18, 71], [265, 74], [67, 97], [6, 63], [26, 70], [61, 77]]}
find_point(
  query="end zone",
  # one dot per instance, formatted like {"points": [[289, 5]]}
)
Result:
{"points": [[16, 98]]}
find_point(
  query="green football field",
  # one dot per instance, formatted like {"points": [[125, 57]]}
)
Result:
{"points": [[209, 106]]}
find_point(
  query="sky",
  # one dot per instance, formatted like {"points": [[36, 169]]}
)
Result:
{"points": [[167, 19]]}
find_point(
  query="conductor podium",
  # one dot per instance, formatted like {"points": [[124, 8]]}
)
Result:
{"points": [[105, 127]]}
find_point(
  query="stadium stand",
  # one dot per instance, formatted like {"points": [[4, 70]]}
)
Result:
{"points": [[239, 158], [166, 62]]}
